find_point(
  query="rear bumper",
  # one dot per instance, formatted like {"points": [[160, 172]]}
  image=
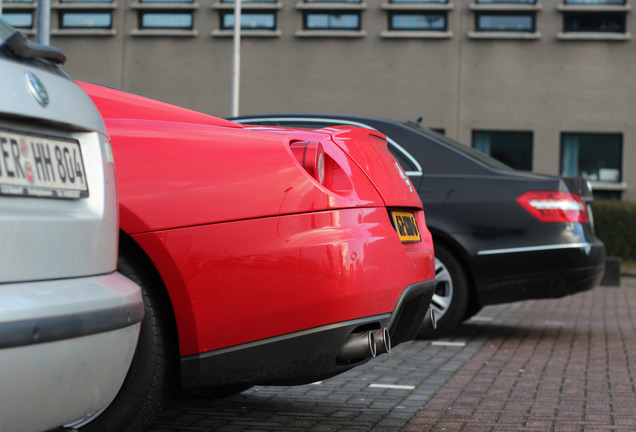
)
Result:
{"points": [[305, 356], [537, 273], [65, 348]]}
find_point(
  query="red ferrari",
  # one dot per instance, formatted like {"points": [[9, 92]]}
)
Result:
{"points": [[266, 255]]}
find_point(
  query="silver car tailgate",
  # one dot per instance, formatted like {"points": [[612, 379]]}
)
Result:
{"points": [[51, 131]]}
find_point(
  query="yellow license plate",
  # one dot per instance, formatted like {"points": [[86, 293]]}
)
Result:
{"points": [[406, 226]]}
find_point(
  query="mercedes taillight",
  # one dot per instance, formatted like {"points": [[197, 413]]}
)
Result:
{"points": [[554, 206]]}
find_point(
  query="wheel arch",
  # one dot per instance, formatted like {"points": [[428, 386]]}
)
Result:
{"points": [[459, 252], [154, 371], [144, 264]]}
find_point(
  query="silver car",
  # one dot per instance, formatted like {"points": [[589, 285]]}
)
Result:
{"points": [[69, 322]]}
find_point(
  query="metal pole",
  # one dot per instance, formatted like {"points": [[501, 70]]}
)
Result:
{"points": [[43, 24], [236, 64]]}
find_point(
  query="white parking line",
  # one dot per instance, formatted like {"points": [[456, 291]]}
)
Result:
{"points": [[553, 323], [448, 343], [482, 318], [392, 386]]}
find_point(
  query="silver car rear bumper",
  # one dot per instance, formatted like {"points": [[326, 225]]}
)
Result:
{"points": [[65, 347]]}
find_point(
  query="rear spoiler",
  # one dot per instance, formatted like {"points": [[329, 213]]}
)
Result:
{"points": [[579, 186]]}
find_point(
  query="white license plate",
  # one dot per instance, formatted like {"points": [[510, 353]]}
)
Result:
{"points": [[40, 166]]}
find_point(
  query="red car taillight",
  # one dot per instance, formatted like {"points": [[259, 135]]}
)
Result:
{"points": [[554, 206], [311, 156]]}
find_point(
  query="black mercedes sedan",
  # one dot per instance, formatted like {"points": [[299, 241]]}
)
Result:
{"points": [[500, 235]]}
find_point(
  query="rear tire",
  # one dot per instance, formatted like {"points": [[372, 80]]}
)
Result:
{"points": [[451, 297], [152, 376]]}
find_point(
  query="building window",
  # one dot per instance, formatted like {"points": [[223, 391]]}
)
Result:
{"points": [[259, 18], [85, 20], [420, 1], [512, 148], [594, 2], [173, 18], [417, 21], [332, 1], [512, 2], [249, 20], [19, 13], [595, 22], [505, 21], [422, 19], [340, 19], [166, 20], [595, 156], [332, 20], [19, 20]]}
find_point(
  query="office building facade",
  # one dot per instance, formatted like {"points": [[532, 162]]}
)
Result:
{"points": [[544, 85]]}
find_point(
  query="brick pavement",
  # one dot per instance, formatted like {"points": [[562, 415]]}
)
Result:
{"points": [[556, 365], [548, 365], [379, 396]]}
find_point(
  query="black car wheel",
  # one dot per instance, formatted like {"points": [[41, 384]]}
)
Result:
{"points": [[450, 301], [152, 376]]}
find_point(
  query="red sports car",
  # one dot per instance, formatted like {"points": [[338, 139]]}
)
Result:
{"points": [[266, 256]]}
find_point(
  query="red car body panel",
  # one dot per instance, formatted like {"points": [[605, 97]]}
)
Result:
{"points": [[118, 104], [312, 269], [190, 188], [385, 177], [247, 243]]}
